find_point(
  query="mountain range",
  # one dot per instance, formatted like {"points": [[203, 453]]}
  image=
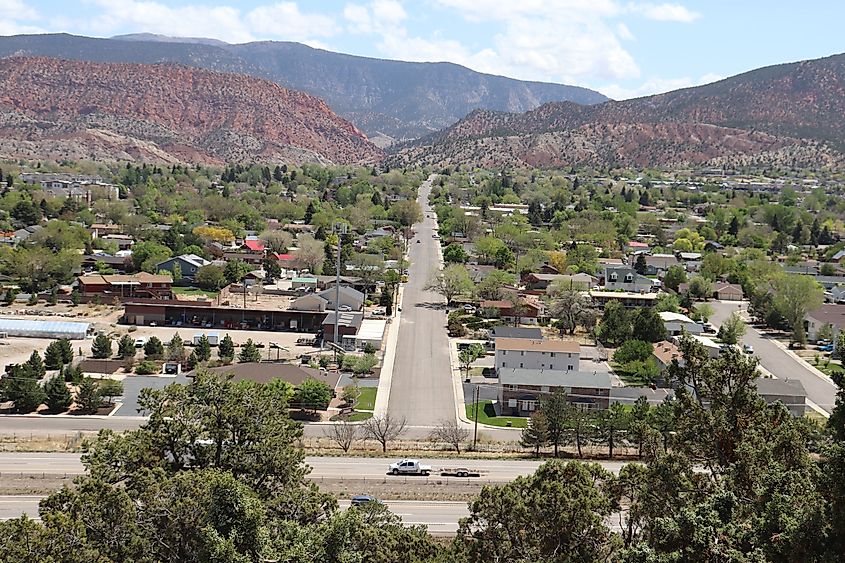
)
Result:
{"points": [[387, 100], [59, 109], [789, 114]]}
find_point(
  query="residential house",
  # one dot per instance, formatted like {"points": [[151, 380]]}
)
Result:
{"points": [[538, 281], [665, 353], [304, 283], [625, 278], [659, 264], [789, 392], [189, 265], [117, 262], [520, 390], [123, 242], [836, 294], [626, 298], [728, 292], [713, 350], [630, 395], [526, 311], [832, 314], [142, 285], [559, 355], [634, 246], [501, 331], [677, 323]]}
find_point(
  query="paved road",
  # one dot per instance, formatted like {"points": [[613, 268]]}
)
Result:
{"points": [[441, 517], [422, 390], [776, 360], [493, 470]]}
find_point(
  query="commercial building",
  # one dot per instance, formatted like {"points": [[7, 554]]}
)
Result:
{"points": [[521, 353], [43, 329], [520, 390], [123, 287]]}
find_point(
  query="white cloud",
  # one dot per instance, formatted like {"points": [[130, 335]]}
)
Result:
{"points": [[286, 17], [282, 20], [656, 86], [666, 12], [13, 14], [623, 32]]}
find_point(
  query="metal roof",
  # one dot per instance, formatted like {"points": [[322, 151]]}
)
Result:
{"points": [[43, 329]]}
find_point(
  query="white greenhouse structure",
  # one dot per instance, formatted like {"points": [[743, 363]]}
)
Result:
{"points": [[43, 329]]}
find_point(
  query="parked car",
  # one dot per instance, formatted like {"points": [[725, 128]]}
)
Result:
{"points": [[748, 348], [139, 342], [826, 348], [344, 308], [469, 308], [360, 500], [409, 467]]}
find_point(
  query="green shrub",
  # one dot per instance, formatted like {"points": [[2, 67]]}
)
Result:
{"points": [[147, 367]]}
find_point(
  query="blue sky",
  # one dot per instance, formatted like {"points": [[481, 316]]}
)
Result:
{"points": [[623, 48]]}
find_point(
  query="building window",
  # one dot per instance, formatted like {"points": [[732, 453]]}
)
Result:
{"points": [[521, 365], [504, 352], [544, 388], [570, 367], [511, 403], [553, 354], [551, 366], [613, 277], [629, 278], [522, 353], [504, 365]]}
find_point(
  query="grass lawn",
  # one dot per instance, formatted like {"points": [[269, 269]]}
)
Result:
{"points": [[358, 416], [195, 291], [830, 369], [367, 400], [486, 415]]}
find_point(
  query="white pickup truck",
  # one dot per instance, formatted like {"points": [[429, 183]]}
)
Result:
{"points": [[409, 467]]}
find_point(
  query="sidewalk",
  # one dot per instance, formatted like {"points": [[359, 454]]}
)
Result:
{"points": [[386, 374]]}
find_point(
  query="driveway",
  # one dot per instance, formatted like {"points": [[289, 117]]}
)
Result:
{"points": [[776, 360], [421, 390]]}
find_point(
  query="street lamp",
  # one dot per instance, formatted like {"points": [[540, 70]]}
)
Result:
{"points": [[339, 229]]}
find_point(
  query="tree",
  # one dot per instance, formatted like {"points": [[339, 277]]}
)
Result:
{"points": [[795, 296], [350, 393], [555, 407], [666, 302], [701, 288], [153, 348], [309, 253], [226, 349], [384, 429], [175, 349], [611, 423], [491, 286], [536, 434], [202, 349], [312, 395], [58, 353], [615, 326], [211, 278], [57, 395], [24, 391], [88, 398], [110, 388], [147, 255], [732, 330], [451, 433], [704, 311], [632, 351], [640, 265], [450, 282], [277, 241], [236, 270], [101, 348], [126, 347], [569, 307], [344, 434], [647, 325], [455, 254], [406, 212], [249, 352], [557, 514], [34, 366]]}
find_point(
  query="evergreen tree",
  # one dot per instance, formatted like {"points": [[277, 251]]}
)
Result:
{"points": [[202, 350], [58, 396], [153, 348], [25, 392], [249, 352], [53, 358], [88, 397], [35, 366], [536, 434], [101, 348], [226, 349], [176, 349], [126, 347]]}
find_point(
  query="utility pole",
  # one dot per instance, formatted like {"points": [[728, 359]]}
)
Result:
{"points": [[340, 230], [475, 432]]}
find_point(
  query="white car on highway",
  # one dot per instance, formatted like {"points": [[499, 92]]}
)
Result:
{"points": [[409, 467]]}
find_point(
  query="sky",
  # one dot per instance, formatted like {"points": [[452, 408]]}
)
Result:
{"points": [[622, 48]]}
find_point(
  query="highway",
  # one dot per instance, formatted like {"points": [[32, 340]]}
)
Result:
{"points": [[334, 468], [441, 517], [776, 360], [421, 391]]}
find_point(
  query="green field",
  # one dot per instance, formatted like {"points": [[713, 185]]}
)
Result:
{"points": [[487, 415], [367, 400], [358, 416], [195, 291]]}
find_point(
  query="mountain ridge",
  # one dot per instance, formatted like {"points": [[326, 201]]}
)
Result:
{"points": [[165, 112], [771, 112], [386, 99]]}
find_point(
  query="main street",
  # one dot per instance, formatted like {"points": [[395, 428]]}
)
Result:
{"points": [[776, 360], [421, 391]]}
